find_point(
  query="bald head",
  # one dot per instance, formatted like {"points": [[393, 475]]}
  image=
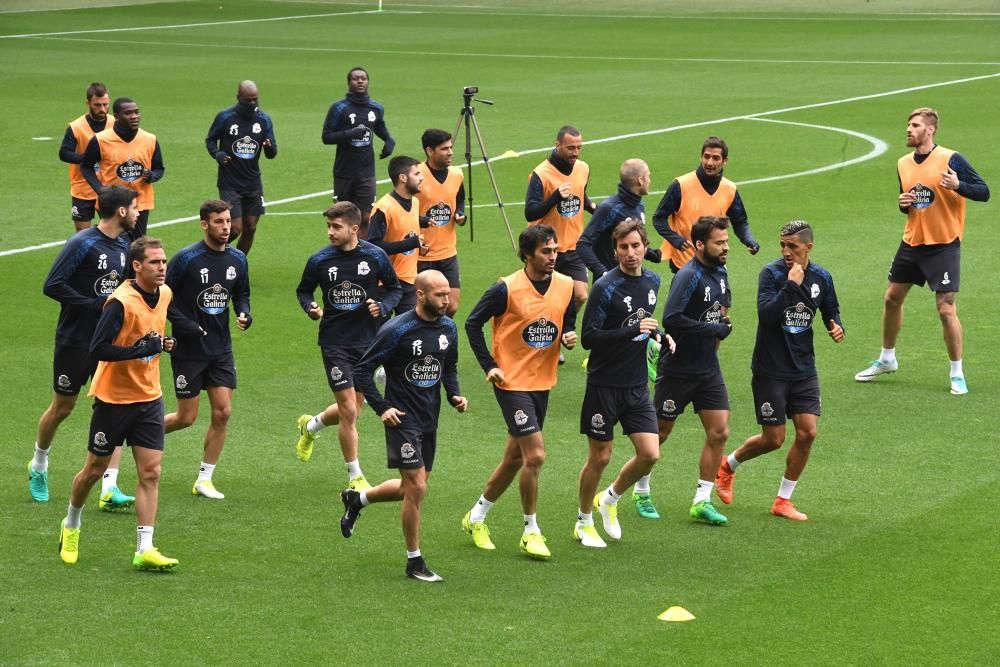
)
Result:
{"points": [[248, 88], [427, 280], [433, 294], [247, 98], [634, 175]]}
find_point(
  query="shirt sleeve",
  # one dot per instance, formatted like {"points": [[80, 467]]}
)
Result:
{"points": [[58, 285], [241, 290], [595, 315], [376, 235], [970, 184], [741, 225], [270, 152], [156, 169], [110, 323], [213, 137], [181, 324], [830, 305], [67, 150], [669, 205], [364, 371], [306, 291], [91, 156], [585, 244], [450, 378], [675, 321], [535, 203], [332, 135], [393, 290], [492, 304]]}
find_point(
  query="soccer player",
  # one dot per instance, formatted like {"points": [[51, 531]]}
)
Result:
{"points": [[349, 126], [785, 383], [395, 226], [87, 271], [704, 191], [617, 323], [204, 278], [419, 351], [235, 140], [533, 311], [125, 155], [78, 135], [595, 246], [557, 196], [349, 273], [442, 206], [934, 183], [696, 316], [128, 402]]}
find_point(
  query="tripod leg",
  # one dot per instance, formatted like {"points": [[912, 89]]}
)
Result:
{"points": [[465, 113], [493, 180]]}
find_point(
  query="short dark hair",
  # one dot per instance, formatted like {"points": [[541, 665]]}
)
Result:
{"points": [[113, 197], [799, 228], [116, 106], [400, 165], [356, 69], [626, 227], [137, 251], [704, 225], [715, 142], [532, 238], [96, 89], [433, 138], [567, 129], [211, 206], [344, 210]]}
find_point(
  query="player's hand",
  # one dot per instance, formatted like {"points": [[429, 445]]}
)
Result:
{"points": [[151, 343], [495, 376], [147, 175], [949, 179], [356, 132], [314, 312], [648, 325], [566, 190], [242, 322], [459, 219], [753, 248], [836, 332], [460, 403], [569, 340], [222, 158], [424, 248], [374, 308], [668, 341], [392, 417], [906, 199], [268, 143], [796, 274], [686, 245], [169, 343]]}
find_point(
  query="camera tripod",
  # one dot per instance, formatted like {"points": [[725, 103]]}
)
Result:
{"points": [[468, 113]]}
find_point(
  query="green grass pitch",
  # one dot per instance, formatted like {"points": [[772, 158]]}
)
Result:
{"points": [[897, 564]]}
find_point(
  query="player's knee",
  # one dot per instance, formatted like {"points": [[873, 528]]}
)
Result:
{"points": [[348, 412], [717, 436], [534, 459], [893, 299], [62, 408], [221, 413], [772, 441], [647, 457], [95, 470], [805, 437], [149, 473], [600, 456]]}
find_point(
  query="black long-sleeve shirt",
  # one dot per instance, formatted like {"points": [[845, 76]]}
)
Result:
{"points": [[536, 204], [693, 316], [617, 303], [595, 245], [67, 150], [204, 281], [88, 269], [92, 157], [241, 139], [348, 278], [671, 203], [355, 155], [785, 315], [102, 347], [419, 356], [494, 304]]}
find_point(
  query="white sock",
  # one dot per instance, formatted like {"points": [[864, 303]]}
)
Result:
{"points": [[363, 499], [956, 369], [143, 539], [786, 488], [205, 471], [610, 497], [41, 461], [733, 463], [585, 519], [530, 523], [353, 469], [642, 486], [315, 424], [413, 554], [73, 516], [110, 479], [480, 510], [703, 492], [888, 355]]}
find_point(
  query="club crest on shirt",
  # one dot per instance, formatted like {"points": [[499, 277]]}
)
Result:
{"points": [[371, 116], [814, 291], [363, 269], [442, 342], [540, 333], [651, 298], [231, 273], [256, 128]]}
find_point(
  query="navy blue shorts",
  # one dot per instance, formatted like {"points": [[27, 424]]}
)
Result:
{"points": [[672, 394], [193, 375], [603, 407], [113, 424]]}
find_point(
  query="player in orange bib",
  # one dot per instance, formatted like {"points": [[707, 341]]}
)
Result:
{"points": [[128, 401], [533, 311], [442, 207], [934, 183], [78, 135], [125, 155], [704, 191]]}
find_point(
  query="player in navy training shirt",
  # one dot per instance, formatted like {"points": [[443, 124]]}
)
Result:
{"points": [[349, 126], [791, 292], [617, 324], [696, 315], [419, 350], [88, 269], [205, 277], [235, 140], [350, 272]]}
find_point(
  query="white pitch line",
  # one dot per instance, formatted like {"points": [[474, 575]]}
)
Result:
{"points": [[633, 135], [536, 56], [187, 25]]}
